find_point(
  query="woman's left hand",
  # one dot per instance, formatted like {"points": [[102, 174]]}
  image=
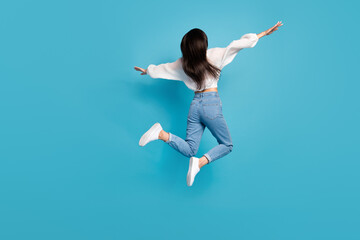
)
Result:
{"points": [[141, 70]]}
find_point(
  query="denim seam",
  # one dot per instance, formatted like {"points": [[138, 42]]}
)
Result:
{"points": [[169, 140], [208, 157]]}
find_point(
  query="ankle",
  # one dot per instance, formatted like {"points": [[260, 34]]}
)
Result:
{"points": [[203, 161], [163, 136]]}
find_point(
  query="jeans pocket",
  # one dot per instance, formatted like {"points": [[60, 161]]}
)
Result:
{"points": [[211, 110]]}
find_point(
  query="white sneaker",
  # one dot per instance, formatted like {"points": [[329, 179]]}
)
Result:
{"points": [[151, 135], [193, 170]]}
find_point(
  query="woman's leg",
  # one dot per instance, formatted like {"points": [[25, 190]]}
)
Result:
{"points": [[219, 129], [194, 132], [164, 136], [190, 145], [203, 161]]}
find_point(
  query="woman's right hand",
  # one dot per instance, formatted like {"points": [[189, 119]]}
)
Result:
{"points": [[144, 72], [274, 28]]}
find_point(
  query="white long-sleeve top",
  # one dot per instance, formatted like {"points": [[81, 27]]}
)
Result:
{"points": [[217, 56]]}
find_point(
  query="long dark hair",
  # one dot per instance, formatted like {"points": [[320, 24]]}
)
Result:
{"points": [[194, 45]]}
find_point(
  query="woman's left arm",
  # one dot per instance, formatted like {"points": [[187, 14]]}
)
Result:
{"points": [[171, 70]]}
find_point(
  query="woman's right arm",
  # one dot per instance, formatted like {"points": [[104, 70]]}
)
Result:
{"points": [[270, 30], [223, 56]]}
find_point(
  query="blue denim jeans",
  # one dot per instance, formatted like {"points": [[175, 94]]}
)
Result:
{"points": [[205, 111]]}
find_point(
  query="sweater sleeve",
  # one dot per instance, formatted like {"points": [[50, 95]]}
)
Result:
{"points": [[170, 71], [224, 56]]}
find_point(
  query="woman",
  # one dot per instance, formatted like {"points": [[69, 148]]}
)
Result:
{"points": [[199, 68]]}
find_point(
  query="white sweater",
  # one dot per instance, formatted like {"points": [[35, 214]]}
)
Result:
{"points": [[219, 57]]}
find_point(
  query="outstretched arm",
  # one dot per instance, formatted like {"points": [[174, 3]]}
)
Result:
{"points": [[171, 71], [224, 56], [270, 30], [143, 71]]}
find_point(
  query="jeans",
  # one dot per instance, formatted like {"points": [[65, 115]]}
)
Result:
{"points": [[205, 111]]}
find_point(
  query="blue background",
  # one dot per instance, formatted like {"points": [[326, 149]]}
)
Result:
{"points": [[72, 110]]}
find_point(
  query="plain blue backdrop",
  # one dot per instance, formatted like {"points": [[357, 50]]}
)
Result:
{"points": [[72, 110]]}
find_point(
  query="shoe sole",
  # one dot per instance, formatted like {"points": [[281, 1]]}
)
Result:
{"points": [[189, 172], [145, 137]]}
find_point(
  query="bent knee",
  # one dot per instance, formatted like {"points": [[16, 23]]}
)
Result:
{"points": [[190, 153], [193, 152]]}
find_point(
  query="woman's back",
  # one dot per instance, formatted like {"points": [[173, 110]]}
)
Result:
{"points": [[217, 56]]}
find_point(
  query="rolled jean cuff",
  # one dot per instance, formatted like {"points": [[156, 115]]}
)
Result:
{"points": [[208, 157], [169, 140]]}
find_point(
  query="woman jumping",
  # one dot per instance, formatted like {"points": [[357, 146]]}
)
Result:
{"points": [[199, 68]]}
